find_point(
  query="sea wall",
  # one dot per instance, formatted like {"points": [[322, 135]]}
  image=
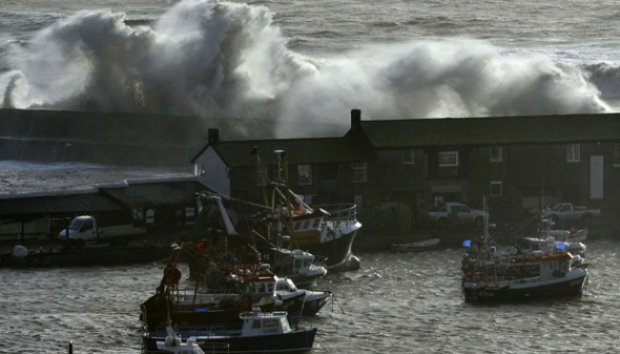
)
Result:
{"points": [[119, 138], [111, 138]]}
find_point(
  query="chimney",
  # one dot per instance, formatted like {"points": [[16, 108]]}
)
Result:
{"points": [[356, 119], [213, 136]]}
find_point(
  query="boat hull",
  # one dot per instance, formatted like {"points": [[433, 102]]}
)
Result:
{"points": [[568, 286], [154, 314], [312, 307], [336, 251], [292, 342]]}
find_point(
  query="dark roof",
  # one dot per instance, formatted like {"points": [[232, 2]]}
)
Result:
{"points": [[315, 150], [154, 193], [129, 194], [492, 131], [39, 204]]}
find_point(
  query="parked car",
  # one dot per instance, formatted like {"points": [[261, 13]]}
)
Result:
{"points": [[565, 212], [457, 214]]}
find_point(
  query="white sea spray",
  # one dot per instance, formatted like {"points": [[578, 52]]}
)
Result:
{"points": [[219, 59]]}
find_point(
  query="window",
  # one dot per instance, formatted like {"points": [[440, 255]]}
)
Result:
{"points": [[448, 159], [572, 153], [496, 189], [359, 172], [304, 175], [262, 176], [495, 154], [199, 170], [616, 155], [408, 157]]}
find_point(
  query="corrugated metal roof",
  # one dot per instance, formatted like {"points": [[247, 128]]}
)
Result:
{"points": [[318, 150], [492, 131], [56, 203], [155, 193]]}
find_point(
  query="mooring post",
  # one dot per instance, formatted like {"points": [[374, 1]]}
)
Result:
{"points": [[70, 348]]}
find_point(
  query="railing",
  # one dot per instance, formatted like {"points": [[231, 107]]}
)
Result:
{"points": [[341, 212]]}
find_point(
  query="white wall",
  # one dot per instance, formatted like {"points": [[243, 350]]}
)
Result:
{"points": [[212, 171]]}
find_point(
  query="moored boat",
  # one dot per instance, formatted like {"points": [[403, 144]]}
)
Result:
{"points": [[298, 265], [217, 310], [326, 231], [260, 333], [492, 276]]}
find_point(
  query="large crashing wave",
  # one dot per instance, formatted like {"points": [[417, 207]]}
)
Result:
{"points": [[222, 59]]}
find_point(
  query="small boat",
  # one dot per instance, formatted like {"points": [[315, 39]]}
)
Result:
{"points": [[424, 245], [572, 235], [300, 266], [262, 332], [531, 244], [173, 344]]}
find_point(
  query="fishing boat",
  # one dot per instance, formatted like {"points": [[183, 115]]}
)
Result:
{"points": [[417, 246], [544, 269], [241, 287], [261, 332], [493, 276], [327, 231]]}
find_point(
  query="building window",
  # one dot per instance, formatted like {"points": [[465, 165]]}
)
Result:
{"points": [[359, 172], [408, 157], [572, 153], [616, 155], [199, 170], [448, 158], [496, 189], [262, 176], [495, 154], [304, 175]]}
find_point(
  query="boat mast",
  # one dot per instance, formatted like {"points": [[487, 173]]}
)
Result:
{"points": [[260, 174], [284, 212]]}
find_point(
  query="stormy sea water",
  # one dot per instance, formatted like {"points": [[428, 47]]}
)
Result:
{"points": [[311, 61], [396, 303], [308, 61]]}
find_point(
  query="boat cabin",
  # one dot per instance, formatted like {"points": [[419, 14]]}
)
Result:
{"points": [[264, 323], [295, 261]]}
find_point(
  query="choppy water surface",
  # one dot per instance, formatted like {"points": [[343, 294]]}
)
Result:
{"points": [[396, 303]]}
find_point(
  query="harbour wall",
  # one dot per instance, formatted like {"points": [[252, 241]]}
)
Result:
{"points": [[112, 138]]}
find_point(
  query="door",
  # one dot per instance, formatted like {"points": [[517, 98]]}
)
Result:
{"points": [[596, 177]]}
